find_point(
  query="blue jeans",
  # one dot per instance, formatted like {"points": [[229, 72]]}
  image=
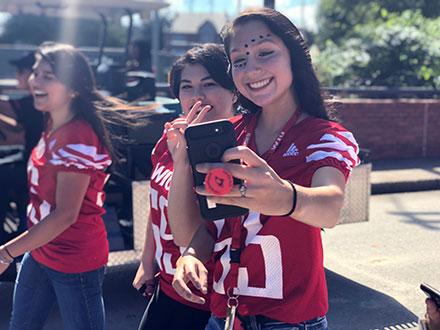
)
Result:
{"points": [[79, 297], [320, 323]]}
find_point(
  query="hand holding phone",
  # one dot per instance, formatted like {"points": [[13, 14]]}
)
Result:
{"points": [[206, 143]]}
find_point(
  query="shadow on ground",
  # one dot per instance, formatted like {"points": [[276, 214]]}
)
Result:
{"points": [[354, 306]]}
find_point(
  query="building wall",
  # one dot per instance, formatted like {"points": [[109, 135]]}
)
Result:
{"points": [[394, 129]]}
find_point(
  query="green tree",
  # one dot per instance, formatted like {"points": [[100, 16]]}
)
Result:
{"points": [[378, 44], [338, 18]]}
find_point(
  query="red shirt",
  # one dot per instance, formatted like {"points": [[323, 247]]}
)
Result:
{"points": [[74, 147], [166, 252], [281, 272]]}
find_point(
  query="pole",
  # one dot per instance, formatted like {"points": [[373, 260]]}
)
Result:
{"points": [[155, 41], [269, 3]]}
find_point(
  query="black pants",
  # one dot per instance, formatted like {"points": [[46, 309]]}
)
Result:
{"points": [[164, 313]]}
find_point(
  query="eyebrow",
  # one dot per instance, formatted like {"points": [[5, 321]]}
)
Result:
{"points": [[189, 81], [234, 50]]}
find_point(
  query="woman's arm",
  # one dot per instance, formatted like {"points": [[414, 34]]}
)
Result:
{"points": [[191, 268], [183, 211], [70, 191], [267, 193], [147, 268]]}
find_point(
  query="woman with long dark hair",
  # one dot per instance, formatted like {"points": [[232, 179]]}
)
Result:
{"points": [[200, 81], [268, 271], [65, 247]]}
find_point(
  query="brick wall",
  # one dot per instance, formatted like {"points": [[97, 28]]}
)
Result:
{"points": [[394, 129]]}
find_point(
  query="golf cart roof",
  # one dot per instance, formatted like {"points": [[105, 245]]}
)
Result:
{"points": [[82, 8]]}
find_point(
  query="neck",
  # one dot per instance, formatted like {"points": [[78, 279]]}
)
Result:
{"points": [[61, 117], [275, 116]]}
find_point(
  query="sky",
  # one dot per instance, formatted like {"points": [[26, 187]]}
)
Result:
{"points": [[290, 8]]}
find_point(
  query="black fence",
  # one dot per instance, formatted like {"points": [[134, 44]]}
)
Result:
{"points": [[358, 92]]}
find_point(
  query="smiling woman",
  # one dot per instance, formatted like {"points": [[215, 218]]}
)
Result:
{"points": [[268, 265], [66, 245], [200, 81]]}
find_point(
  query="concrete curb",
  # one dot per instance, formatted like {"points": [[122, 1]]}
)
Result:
{"points": [[404, 186]]}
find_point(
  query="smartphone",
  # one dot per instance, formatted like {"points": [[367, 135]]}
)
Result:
{"points": [[431, 292], [206, 143]]}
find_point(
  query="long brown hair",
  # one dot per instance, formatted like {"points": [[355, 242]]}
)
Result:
{"points": [[72, 69]]}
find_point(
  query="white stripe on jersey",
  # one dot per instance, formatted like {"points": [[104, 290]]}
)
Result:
{"points": [[336, 144], [349, 136], [318, 155], [31, 215], [44, 210], [89, 151], [68, 159]]}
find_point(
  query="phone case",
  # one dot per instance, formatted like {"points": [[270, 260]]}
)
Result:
{"points": [[206, 143], [431, 292]]}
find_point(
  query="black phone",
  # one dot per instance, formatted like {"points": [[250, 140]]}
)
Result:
{"points": [[431, 292], [206, 143]]}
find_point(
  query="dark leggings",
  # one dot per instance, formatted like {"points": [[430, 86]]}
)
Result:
{"points": [[165, 313]]}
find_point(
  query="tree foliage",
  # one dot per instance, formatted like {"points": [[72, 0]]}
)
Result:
{"points": [[379, 44]]}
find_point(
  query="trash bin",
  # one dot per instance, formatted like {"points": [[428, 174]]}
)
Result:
{"points": [[357, 192]]}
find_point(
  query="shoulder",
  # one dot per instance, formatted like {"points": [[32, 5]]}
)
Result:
{"points": [[320, 129], [327, 143], [76, 131], [240, 122], [75, 146], [161, 146]]}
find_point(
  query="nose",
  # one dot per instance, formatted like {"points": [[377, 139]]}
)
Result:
{"points": [[198, 94], [253, 66]]}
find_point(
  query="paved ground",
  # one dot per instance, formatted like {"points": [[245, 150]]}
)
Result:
{"points": [[375, 267]]}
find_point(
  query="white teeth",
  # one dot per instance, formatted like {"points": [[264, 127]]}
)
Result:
{"points": [[259, 84], [40, 93]]}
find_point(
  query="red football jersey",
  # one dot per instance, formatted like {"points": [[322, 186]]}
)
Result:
{"points": [[166, 252], [281, 272], [74, 147]]}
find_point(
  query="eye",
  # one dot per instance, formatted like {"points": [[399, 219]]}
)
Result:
{"points": [[239, 62], [210, 84], [266, 53], [185, 86]]}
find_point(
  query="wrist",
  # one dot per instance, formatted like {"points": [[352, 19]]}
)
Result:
{"points": [[291, 202], [182, 165], [6, 256]]}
